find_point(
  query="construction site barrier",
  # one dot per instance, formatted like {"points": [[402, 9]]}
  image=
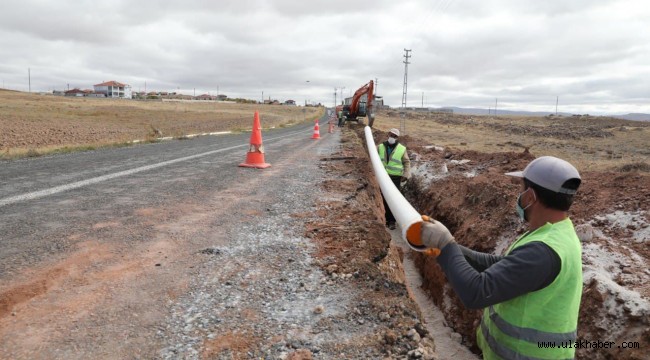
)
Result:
{"points": [[408, 219]]}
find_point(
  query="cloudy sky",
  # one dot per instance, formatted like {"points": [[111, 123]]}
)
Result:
{"points": [[594, 55]]}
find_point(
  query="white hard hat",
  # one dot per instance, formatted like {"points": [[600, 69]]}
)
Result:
{"points": [[394, 131], [550, 173]]}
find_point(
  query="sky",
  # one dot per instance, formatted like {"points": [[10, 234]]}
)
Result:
{"points": [[588, 56]]}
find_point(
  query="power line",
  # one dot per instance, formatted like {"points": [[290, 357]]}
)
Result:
{"points": [[406, 68]]}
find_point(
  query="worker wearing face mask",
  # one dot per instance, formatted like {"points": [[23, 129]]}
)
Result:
{"points": [[397, 164], [531, 295]]}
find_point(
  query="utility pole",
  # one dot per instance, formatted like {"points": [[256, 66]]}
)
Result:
{"points": [[406, 68], [496, 101], [262, 96], [342, 93], [423, 99], [29, 75], [557, 99], [334, 99]]}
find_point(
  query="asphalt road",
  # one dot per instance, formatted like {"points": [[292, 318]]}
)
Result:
{"points": [[96, 246], [44, 200]]}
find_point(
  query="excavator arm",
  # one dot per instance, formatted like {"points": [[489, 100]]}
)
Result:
{"points": [[355, 109]]}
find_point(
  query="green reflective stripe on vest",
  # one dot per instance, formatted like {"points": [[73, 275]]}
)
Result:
{"points": [[512, 329], [529, 334], [393, 165]]}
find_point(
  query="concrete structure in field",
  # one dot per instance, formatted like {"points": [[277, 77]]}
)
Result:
{"points": [[114, 89]]}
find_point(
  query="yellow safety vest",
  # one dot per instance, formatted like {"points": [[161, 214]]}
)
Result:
{"points": [[393, 165], [541, 324]]}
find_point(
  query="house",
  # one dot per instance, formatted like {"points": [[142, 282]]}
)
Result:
{"points": [[83, 93], [290, 102], [75, 92], [90, 93], [222, 97], [206, 97], [114, 89]]}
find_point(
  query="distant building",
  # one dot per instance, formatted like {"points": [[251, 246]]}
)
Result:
{"points": [[114, 89], [90, 93], [83, 93], [222, 97], [206, 97], [290, 102], [75, 92]]}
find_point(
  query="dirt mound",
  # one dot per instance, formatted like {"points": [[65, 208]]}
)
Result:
{"points": [[354, 244], [468, 192]]}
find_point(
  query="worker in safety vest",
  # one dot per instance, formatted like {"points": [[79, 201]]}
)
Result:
{"points": [[397, 164], [531, 295]]}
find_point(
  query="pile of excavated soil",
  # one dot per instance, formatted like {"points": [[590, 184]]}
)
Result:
{"points": [[468, 192], [352, 243]]}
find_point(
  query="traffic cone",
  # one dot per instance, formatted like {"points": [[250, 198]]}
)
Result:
{"points": [[316, 131], [255, 154]]}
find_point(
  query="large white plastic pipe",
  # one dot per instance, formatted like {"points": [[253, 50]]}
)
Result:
{"points": [[406, 216]]}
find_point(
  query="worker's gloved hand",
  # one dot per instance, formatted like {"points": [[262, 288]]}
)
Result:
{"points": [[435, 235]]}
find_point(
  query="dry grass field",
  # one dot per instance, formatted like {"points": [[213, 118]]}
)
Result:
{"points": [[33, 124], [592, 143]]}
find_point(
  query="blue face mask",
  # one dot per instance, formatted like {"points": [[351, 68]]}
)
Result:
{"points": [[520, 210]]}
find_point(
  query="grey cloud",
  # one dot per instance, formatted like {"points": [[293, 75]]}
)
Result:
{"points": [[524, 52]]}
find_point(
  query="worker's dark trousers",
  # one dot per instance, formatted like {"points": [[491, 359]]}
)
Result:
{"points": [[389, 214]]}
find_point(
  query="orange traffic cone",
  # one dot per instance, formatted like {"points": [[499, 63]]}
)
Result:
{"points": [[255, 154], [316, 131]]}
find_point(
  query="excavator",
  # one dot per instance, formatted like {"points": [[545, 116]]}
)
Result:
{"points": [[358, 107]]}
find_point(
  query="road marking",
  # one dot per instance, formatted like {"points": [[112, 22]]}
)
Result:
{"points": [[98, 179]]}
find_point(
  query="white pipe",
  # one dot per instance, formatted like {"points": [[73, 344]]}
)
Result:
{"points": [[404, 213]]}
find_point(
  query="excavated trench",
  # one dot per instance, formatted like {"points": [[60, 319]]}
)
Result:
{"points": [[468, 192]]}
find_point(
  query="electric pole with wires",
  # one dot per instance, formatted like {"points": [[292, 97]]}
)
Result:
{"points": [[406, 68]]}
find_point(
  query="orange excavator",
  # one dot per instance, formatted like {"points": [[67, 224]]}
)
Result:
{"points": [[359, 105]]}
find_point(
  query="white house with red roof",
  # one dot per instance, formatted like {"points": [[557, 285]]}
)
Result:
{"points": [[114, 89]]}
